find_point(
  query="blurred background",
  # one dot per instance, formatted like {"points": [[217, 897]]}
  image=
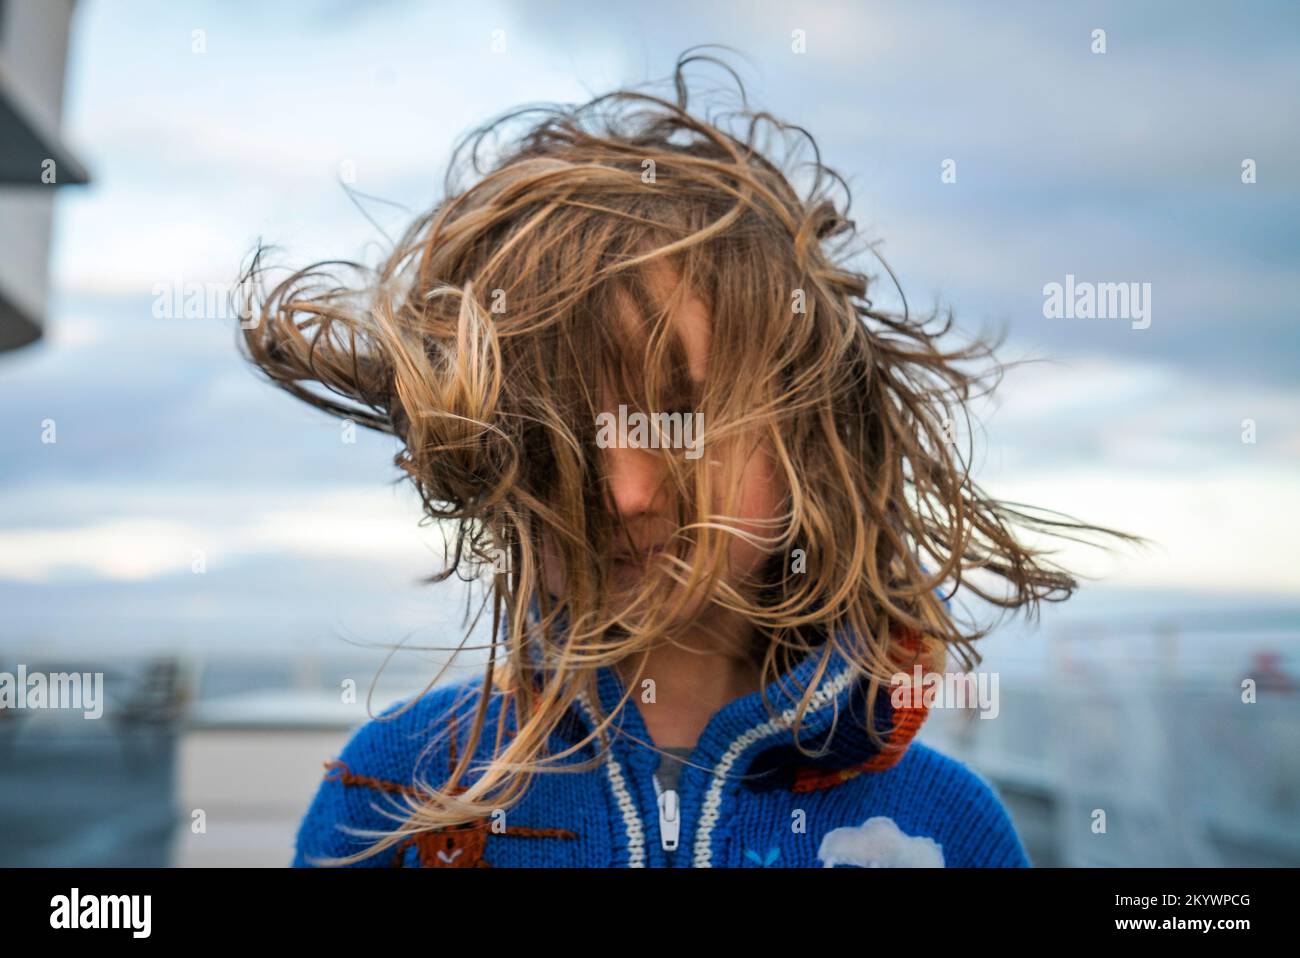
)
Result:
{"points": [[231, 561]]}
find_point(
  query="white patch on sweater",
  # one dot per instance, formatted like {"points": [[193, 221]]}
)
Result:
{"points": [[879, 843]]}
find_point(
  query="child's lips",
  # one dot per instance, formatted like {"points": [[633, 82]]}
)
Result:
{"points": [[637, 558]]}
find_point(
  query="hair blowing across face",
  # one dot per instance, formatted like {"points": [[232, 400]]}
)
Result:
{"points": [[482, 340]]}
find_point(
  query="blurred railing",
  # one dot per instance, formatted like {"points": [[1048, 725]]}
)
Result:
{"points": [[1123, 750], [1131, 752]]}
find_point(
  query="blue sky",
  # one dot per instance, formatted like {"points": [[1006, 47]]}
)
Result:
{"points": [[1115, 167]]}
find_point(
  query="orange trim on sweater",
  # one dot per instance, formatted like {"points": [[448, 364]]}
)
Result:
{"points": [[907, 722]]}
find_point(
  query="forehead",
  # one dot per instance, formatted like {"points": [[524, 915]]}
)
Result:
{"points": [[688, 317]]}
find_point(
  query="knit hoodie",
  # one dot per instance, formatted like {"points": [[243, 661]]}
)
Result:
{"points": [[747, 798]]}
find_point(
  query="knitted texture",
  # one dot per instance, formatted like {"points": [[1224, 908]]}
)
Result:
{"points": [[748, 798]]}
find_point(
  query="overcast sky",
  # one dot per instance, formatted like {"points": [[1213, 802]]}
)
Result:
{"points": [[1123, 166]]}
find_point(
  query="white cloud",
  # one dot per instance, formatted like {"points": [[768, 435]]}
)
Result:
{"points": [[1221, 530], [146, 540], [879, 843]]}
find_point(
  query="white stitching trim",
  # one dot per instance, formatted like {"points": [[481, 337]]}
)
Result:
{"points": [[636, 851], [622, 798], [703, 853]]}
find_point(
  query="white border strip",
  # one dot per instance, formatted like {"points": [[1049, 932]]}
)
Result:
{"points": [[709, 810], [636, 854], [636, 851]]}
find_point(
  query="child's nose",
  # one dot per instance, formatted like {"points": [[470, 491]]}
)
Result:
{"points": [[636, 481]]}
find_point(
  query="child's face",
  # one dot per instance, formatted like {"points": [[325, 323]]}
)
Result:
{"points": [[641, 490]]}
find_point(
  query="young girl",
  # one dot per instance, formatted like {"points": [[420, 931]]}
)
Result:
{"points": [[716, 489]]}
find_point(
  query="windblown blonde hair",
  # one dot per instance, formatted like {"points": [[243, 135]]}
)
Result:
{"points": [[483, 342]]}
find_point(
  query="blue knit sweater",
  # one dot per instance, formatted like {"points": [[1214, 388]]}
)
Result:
{"points": [[747, 799]]}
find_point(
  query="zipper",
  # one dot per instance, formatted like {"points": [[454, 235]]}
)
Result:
{"points": [[628, 788], [670, 815]]}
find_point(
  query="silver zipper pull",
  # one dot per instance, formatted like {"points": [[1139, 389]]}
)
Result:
{"points": [[670, 821]]}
